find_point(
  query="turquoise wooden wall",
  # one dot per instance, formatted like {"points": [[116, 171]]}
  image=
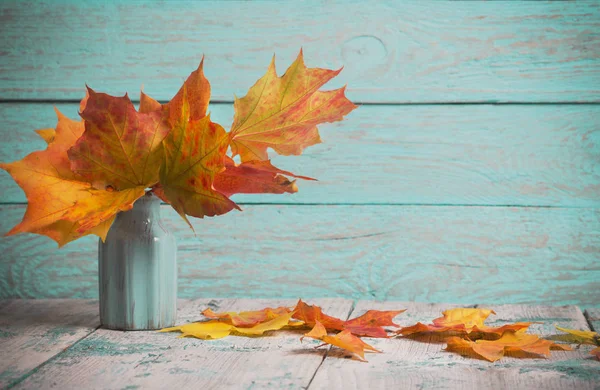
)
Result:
{"points": [[470, 173]]}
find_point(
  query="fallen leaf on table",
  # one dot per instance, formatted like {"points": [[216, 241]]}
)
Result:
{"points": [[584, 337], [247, 318], [344, 340], [311, 314], [202, 330], [510, 341], [274, 324], [369, 324], [216, 329], [463, 321], [372, 322]]}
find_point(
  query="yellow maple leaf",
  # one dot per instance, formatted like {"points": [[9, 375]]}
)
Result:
{"points": [[215, 329]]}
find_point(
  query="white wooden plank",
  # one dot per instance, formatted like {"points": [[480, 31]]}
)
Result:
{"points": [[116, 360], [391, 51], [435, 254], [410, 364], [459, 154], [34, 331]]}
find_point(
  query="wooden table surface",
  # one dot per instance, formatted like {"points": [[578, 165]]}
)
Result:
{"points": [[59, 344]]}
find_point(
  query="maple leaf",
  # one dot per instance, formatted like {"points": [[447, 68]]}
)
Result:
{"points": [[371, 323], [202, 330], [282, 112], [247, 318], [310, 315], [216, 329], [492, 350], [345, 340], [120, 147], [53, 191], [193, 97], [584, 337], [463, 320], [254, 177], [273, 324], [194, 152]]}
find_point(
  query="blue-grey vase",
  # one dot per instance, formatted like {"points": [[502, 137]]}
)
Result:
{"points": [[137, 270]]}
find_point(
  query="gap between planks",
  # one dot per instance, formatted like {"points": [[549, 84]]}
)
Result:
{"points": [[330, 346]]}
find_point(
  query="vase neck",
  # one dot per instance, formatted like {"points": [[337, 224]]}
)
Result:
{"points": [[146, 208]]}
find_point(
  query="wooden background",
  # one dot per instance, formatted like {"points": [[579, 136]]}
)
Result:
{"points": [[470, 172]]}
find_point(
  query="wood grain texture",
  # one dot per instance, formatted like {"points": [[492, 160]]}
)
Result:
{"points": [[435, 254], [422, 363], [479, 155], [32, 332], [117, 360], [391, 51]]}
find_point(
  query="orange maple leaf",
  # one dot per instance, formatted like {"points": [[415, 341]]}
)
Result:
{"points": [[311, 314], [120, 148], [345, 340], [247, 318], [282, 112], [510, 341], [194, 151], [462, 320], [59, 201], [372, 322]]}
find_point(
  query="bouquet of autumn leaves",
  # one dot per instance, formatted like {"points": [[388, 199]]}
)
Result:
{"points": [[98, 166]]}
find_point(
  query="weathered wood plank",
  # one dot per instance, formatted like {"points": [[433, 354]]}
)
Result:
{"points": [[116, 360], [414, 52], [410, 364], [593, 317], [435, 254], [485, 155], [32, 332]]}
